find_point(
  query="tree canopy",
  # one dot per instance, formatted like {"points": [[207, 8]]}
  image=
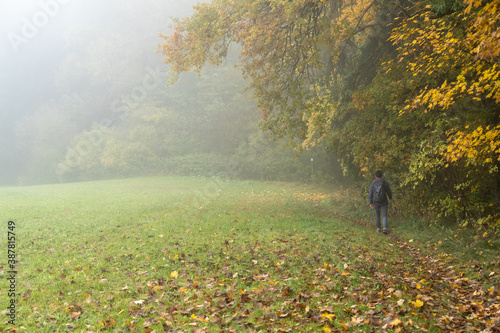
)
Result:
{"points": [[288, 49]]}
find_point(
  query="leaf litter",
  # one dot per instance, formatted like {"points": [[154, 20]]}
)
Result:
{"points": [[286, 266]]}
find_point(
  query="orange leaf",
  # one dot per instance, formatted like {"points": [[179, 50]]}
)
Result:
{"points": [[75, 315]]}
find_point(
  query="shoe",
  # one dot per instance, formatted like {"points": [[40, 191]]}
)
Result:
{"points": [[385, 231], [378, 230]]}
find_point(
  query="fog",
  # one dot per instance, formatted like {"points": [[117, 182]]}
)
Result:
{"points": [[51, 48], [84, 96]]}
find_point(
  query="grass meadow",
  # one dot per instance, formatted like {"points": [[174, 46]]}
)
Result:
{"points": [[166, 254]]}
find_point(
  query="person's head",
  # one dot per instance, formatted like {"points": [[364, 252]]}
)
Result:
{"points": [[378, 174]]}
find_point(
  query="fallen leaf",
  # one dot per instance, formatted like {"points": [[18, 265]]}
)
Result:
{"points": [[328, 316], [75, 315], [108, 323], [395, 322], [418, 303]]}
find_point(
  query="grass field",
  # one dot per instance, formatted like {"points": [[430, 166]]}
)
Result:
{"points": [[187, 254]]}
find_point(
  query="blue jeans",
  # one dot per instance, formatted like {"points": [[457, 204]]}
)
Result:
{"points": [[380, 209]]}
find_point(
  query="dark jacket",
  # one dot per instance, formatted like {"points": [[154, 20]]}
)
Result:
{"points": [[387, 190]]}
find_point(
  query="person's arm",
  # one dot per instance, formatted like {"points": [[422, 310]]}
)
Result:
{"points": [[370, 195]]}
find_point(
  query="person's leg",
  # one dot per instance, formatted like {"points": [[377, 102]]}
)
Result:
{"points": [[377, 215], [384, 215]]}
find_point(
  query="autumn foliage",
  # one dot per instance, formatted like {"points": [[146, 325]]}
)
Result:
{"points": [[410, 89]]}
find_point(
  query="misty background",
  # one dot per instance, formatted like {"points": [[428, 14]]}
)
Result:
{"points": [[84, 96]]}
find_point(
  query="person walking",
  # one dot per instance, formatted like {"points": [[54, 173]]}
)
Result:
{"points": [[379, 196]]}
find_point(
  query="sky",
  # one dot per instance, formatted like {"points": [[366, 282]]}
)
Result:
{"points": [[49, 48]]}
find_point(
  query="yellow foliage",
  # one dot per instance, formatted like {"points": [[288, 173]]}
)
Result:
{"points": [[482, 146], [438, 43], [318, 116]]}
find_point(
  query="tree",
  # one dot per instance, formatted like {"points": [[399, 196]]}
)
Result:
{"points": [[454, 61], [42, 138], [290, 51]]}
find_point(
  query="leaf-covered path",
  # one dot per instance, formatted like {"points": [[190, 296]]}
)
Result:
{"points": [[462, 299]]}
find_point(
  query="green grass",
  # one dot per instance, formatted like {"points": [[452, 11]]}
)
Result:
{"points": [[158, 254]]}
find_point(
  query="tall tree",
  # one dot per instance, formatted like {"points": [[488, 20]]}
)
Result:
{"points": [[290, 50], [453, 58]]}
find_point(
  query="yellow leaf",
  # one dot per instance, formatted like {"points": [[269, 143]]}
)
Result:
{"points": [[174, 274], [329, 316], [418, 303], [395, 322]]}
